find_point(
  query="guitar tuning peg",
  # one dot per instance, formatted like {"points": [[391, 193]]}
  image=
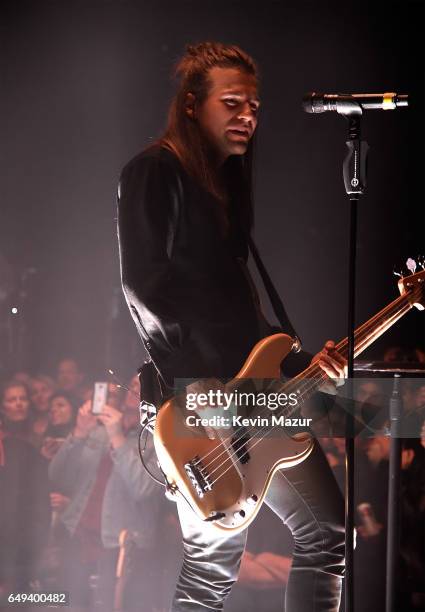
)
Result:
{"points": [[411, 265], [421, 261], [400, 274]]}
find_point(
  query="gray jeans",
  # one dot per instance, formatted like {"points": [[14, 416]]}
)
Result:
{"points": [[309, 502]]}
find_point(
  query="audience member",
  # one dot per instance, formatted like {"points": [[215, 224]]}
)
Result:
{"points": [[22, 377], [371, 501], [400, 354], [99, 469], [24, 507], [420, 355], [61, 421], [412, 541], [414, 409], [70, 378], [42, 389], [15, 412], [62, 415], [102, 502]]}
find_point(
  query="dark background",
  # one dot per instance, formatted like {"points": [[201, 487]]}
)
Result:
{"points": [[86, 86]]}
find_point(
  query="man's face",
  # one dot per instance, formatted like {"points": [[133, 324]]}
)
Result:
{"points": [[69, 375], [41, 392], [16, 404], [228, 116]]}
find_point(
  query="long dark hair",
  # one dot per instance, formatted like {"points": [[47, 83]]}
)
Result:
{"points": [[183, 136]]}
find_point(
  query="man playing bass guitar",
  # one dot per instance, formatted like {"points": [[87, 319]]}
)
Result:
{"points": [[184, 214]]}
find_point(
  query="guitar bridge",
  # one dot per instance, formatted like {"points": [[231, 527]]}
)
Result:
{"points": [[198, 476]]}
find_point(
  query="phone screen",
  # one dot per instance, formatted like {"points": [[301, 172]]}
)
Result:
{"points": [[100, 396]]}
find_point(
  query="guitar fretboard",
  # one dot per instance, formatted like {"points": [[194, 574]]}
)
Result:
{"points": [[308, 382]]}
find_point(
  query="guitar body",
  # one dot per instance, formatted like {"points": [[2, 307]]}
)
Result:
{"points": [[225, 480], [237, 485]]}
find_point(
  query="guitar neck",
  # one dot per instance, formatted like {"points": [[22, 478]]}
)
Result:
{"points": [[308, 382], [370, 331]]}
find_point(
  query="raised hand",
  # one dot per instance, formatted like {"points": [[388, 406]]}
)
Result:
{"points": [[111, 418], [86, 421]]}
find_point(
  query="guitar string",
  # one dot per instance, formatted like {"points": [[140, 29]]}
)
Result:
{"points": [[312, 380], [309, 387], [245, 453], [230, 456], [244, 431], [317, 376], [364, 329]]}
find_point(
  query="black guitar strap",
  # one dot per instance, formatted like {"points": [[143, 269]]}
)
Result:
{"points": [[276, 302]]}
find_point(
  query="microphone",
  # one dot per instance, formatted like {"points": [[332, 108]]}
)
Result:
{"points": [[344, 103]]}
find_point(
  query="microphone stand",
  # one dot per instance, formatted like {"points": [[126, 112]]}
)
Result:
{"points": [[394, 482], [354, 172]]}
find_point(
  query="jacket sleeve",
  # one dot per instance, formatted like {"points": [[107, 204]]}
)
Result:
{"points": [[148, 204], [64, 468], [127, 463]]}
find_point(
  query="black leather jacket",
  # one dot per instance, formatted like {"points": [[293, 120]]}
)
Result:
{"points": [[186, 283]]}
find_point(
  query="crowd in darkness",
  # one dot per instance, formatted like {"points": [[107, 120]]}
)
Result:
{"points": [[79, 513]]}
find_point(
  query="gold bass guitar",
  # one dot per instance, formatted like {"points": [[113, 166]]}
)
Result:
{"points": [[225, 477]]}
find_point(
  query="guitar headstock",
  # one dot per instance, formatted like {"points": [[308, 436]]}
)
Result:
{"points": [[413, 282]]}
